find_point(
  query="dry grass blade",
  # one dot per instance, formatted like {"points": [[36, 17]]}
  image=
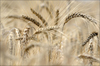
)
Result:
{"points": [[40, 17], [74, 15], [32, 20], [91, 36], [45, 29], [93, 59]]}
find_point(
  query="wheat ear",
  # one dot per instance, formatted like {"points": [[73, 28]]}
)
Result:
{"points": [[91, 51], [18, 46], [32, 20], [39, 16], [74, 15], [90, 36], [57, 17], [45, 29], [11, 43]]}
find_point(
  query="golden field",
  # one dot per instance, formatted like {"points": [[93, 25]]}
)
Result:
{"points": [[46, 32]]}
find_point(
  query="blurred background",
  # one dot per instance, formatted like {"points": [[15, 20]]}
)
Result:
{"points": [[76, 30]]}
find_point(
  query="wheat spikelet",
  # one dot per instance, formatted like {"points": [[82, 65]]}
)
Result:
{"points": [[74, 15], [32, 20], [40, 17], [25, 35], [91, 36], [91, 46], [57, 17], [45, 29]]}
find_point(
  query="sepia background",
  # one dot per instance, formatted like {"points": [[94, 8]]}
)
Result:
{"points": [[22, 42]]}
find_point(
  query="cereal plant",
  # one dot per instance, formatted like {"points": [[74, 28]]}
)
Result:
{"points": [[49, 33]]}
